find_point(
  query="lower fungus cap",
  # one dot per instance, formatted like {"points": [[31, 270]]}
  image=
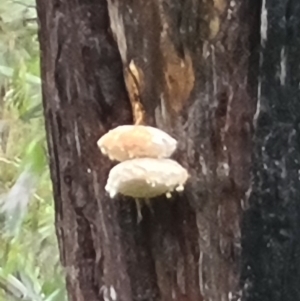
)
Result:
{"points": [[135, 141], [146, 178]]}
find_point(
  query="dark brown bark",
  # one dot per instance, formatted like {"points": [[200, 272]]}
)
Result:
{"points": [[195, 69], [271, 225]]}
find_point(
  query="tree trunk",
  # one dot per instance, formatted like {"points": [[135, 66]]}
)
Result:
{"points": [[193, 69], [271, 225]]}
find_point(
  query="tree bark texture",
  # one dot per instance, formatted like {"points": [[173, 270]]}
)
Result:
{"points": [[208, 73], [271, 225]]}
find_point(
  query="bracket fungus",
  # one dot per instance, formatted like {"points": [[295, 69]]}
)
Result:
{"points": [[146, 178], [145, 170], [126, 142]]}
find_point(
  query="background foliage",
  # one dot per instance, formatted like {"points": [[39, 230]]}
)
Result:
{"points": [[29, 261]]}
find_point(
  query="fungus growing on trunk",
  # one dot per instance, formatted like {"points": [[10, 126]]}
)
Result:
{"points": [[146, 178], [136, 141]]}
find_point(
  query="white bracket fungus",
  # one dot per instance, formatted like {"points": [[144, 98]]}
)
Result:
{"points": [[146, 178], [144, 171], [136, 141]]}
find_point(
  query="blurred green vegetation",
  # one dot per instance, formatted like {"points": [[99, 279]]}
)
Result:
{"points": [[29, 260]]}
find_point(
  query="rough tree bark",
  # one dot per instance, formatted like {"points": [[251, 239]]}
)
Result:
{"points": [[271, 225], [195, 69]]}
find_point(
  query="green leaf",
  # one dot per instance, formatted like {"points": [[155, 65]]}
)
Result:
{"points": [[30, 78], [35, 156], [31, 113]]}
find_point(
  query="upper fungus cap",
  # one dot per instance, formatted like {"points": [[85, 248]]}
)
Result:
{"points": [[146, 178], [136, 141]]}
